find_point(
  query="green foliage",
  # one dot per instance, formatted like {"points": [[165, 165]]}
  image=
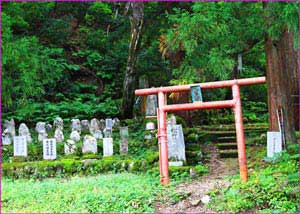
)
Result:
{"points": [[131, 193], [212, 35], [271, 189]]}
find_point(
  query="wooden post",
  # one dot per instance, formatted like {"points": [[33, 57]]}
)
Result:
{"points": [[240, 138]]}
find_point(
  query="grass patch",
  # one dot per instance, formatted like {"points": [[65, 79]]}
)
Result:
{"points": [[115, 193]]}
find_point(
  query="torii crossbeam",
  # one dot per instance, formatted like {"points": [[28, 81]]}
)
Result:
{"points": [[235, 104]]}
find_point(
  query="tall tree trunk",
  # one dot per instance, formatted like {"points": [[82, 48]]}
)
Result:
{"points": [[130, 80], [282, 82]]}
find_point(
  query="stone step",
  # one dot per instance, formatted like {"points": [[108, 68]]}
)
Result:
{"points": [[227, 146], [229, 153], [227, 139]]}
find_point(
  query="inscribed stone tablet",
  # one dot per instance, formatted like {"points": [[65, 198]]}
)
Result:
{"points": [[274, 143], [176, 145], [20, 146], [107, 147], [151, 105], [108, 123], [124, 132], [49, 149], [89, 144]]}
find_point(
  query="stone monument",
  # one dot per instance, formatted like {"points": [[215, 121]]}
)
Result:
{"points": [[41, 130], [76, 125], [124, 139], [59, 135], [70, 147], [89, 144], [107, 147], [176, 145], [49, 149], [20, 146], [75, 136], [151, 105], [24, 131]]}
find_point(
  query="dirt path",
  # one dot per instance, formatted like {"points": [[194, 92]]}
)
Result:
{"points": [[192, 192]]}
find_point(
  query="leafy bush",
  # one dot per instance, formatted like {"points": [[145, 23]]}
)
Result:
{"points": [[272, 189]]}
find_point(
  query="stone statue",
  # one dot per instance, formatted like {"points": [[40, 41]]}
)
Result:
{"points": [[94, 126], [116, 122], [41, 130], [102, 124], [24, 131], [76, 125], [59, 135], [9, 132], [75, 136], [58, 123], [70, 147], [89, 144], [85, 125]]}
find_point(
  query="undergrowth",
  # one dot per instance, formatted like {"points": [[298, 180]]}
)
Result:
{"points": [[273, 186]]}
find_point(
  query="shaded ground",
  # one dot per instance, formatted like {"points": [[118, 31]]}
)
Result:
{"points": [[192, 192]]}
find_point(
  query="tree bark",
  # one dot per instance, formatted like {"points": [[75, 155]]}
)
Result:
{"points": [[282, 79], [130, 80], [282, 82]]}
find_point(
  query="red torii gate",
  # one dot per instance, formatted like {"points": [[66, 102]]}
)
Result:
{"points": [[235, 103]]}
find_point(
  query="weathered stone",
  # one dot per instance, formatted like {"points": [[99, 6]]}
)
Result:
{"points": [[70, 147], [6, 139], [98, 134], [150, 126], [76, 125], [175, 163], [107, 147], [107, 133], [75, 136], [151, 105], [171, 120], [195, 202], [193, 173], [41, 130], [59, 135], [58, 123], [274, 143], [108, 123], [102, 124], [9, 127], [148, 136], [87, 161], [49, 149], [124, 139], [48, 127], [116, 122], [85, 125], [94, 126], [89, 144], [9, 132], [176, 146], [205, 199], [24, 131], [20, 146]]}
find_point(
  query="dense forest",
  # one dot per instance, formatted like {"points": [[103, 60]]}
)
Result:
{"points": [[79, 140], [83, 59]]}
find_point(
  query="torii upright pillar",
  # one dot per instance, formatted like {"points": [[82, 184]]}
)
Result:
{"points": [[235, 103]]}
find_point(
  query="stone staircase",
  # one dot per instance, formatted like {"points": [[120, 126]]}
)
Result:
{"points": [[224, 138]]}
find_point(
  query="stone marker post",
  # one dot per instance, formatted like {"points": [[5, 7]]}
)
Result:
{"points": [[124, 139], [49, 149], [20, 146]]}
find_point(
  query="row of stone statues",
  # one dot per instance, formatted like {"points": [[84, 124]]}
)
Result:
{"points": [[95, 127]]}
